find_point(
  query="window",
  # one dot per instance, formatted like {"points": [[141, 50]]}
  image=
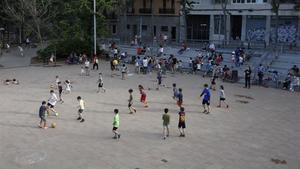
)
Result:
{"points": [[164, 28], [114, 29], [144, 27], [249, 1]]}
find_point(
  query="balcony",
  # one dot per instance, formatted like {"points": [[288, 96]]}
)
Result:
{"points": [[130, 10], [166, 10], [145, 10]]}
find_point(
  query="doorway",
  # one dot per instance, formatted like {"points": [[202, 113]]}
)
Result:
{"points": [[236, 27], [173, 33]]}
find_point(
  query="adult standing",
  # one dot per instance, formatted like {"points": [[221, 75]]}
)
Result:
{"points": [[260, 74], [248, 77], [87, 67]]}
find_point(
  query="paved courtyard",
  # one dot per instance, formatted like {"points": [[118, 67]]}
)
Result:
{"points": [[262, 134]]}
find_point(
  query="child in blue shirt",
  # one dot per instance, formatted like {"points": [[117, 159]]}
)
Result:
{"points": [[206, 99]]}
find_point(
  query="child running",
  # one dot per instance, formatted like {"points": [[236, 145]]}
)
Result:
{"points": [[100, 84], [166, 122], [181, 123], [222, 97], [116, 124], [213, 83], [143, 96], [60, 90], [179, 98], [124, 71], [130, 102], [206, 99], [68, 86], [42, 115], [81, 109], [159, 79], [52, 102], [175, 91]]}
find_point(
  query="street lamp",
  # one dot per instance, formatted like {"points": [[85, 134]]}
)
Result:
{"points": [[95, 31]]}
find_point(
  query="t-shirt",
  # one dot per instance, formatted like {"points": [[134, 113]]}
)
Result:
{"points": [[81, 104], [206, 94], [222, 94], [130, 100], [247, 73], [175, 91], [166, 119], [181, 117], [116, 122], [124, 69], [42, 111], [145, 62], [53, 99], [180, 97]]}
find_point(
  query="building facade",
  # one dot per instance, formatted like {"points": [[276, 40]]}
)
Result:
{"points": [[246, 20], [148, 20]]}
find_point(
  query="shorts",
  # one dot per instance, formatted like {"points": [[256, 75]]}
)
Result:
{"points": [[60, 91], [179, 103], [143, 98], [43, 118], [100, 85], [181, 125], [80, 111], [222, 99], [50, 105], [129, 105], [115, 128], [159, 82], [205, 102]]}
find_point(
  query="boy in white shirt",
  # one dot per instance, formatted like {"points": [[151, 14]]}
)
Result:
{"points": [[52, 102]]}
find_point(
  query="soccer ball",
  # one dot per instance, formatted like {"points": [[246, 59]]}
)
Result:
{"points": [[53, 125]]}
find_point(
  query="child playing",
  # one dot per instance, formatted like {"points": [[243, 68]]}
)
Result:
{"points": [[206, 98], [179, 98], [175, 91], [56, 81], [100, 84], [51, 102], [81, 109], [166, 122], [82, 71], [143, 95], [116, 124], [60, 90], [213, 83], [181, 123], [68, 86], [130, 102], [42, 115], [124, 71], [159, 79], [222, 97]]}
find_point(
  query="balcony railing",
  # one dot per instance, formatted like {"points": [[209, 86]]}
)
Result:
{"points": [[130, 10], [145, 10], [166, 11]]}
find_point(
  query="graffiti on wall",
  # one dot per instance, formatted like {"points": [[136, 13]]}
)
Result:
{"points": [[286, 33], [256, 34]]}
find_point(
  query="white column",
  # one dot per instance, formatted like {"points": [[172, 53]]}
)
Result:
{"points": [[211, 27], [244, 27], [228, 28], [268, 30], [298, 40]]}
